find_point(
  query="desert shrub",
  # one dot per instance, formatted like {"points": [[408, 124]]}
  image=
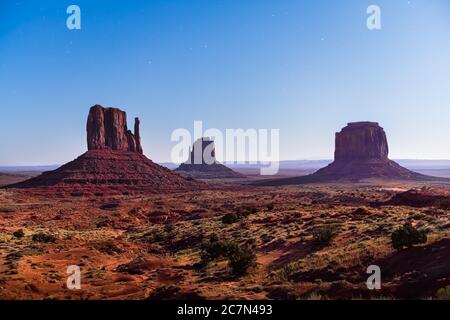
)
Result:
{"points": [[445, 204], [162, 235], [324, 235], [241, 260], [234, 217], [109, 206], [361, 211], [156, 236], [286, 272], [214, 249], [270, 207], [169, 229], [19, 234], [443, 293], [43, 237], [407, 236], [231, 218]]}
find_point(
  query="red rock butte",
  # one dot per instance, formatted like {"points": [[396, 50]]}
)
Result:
{"points": [[200, 168], [114, 162], [361, 152], [107, 130]]}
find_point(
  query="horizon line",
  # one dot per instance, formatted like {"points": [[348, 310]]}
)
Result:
{"points": [[229, 162]]}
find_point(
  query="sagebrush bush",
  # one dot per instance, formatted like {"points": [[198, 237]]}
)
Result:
{"points": [[445, 204], [324, 235], [43, 237], [231, 218], [19, 234], [407, 236], [240, 259], [109, 206], [214, 249]]}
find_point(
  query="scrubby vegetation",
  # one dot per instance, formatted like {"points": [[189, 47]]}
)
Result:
{"points": [[109, 206], [160, 246], [240, 259], [231, 218], [407, 236], [43, 237], [324, 235], [445, 205], [19, 234]]}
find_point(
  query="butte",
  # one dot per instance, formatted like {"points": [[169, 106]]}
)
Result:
{"points": [[113, 163], [202, 163], [361, 153]]}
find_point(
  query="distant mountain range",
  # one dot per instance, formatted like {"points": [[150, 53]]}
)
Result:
{"points": [[308, 165], [15, 169], [317, 164]]}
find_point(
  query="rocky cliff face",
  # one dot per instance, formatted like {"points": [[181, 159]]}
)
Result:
{"points": [[361, 141], [107, 130]]}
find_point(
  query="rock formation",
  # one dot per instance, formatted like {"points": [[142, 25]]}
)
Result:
{"points": [[202, 163], [107, 130], [361, 153], [114, 163], [361, 141]]}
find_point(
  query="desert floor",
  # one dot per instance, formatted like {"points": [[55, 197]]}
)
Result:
{"points": [[148, 246]]}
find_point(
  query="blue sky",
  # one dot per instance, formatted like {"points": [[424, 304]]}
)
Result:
{"points": [[305, 67]]}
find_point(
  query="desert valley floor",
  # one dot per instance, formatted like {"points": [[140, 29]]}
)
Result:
{"points": [[148, 246]]}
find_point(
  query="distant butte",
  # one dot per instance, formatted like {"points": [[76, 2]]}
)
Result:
{"points": [[361, 153], [202, 163], [114, 162]]}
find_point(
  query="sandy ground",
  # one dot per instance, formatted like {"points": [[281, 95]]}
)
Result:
{"points": [[149, 246]]}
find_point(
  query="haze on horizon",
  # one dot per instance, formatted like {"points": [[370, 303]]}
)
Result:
{"points": [[304, 67]]}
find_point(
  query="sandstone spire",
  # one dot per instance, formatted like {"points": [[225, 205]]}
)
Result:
{"points": [[137, 135]]}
